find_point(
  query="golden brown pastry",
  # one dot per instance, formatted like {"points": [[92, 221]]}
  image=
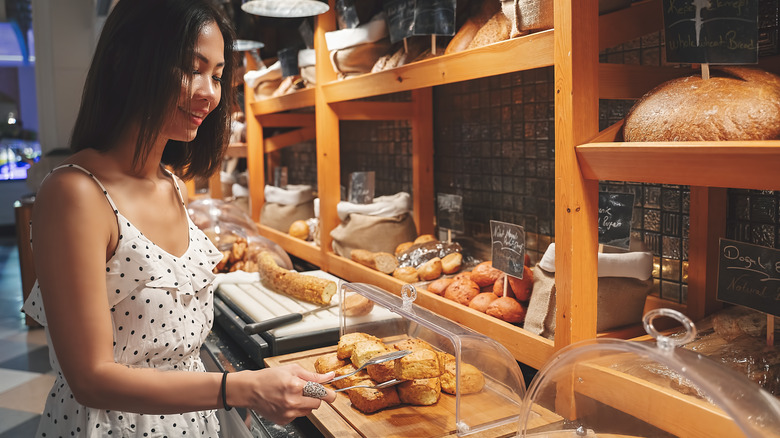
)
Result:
{"points": [[484, 274], [507, 309], [419, 364], [430, 270], [348, 341], [351, 380], [471, 379], [420, 392], [329, 362], [368, 400], [451, 263], [237, 251], [365, 350], [439, 286], [406, 274], [412, 344], [299, 229], [482, 301], [305, 287], [462, 291], [382, 372]]}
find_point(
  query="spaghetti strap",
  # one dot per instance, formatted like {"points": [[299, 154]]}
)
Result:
{"points": [[105, 192], [175, 179]]}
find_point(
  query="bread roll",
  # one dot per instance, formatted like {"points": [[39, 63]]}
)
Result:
{"points": [[520, 289], [379, 261], [439, 286], [419, 364], [482, 301], [451, 263], [420, 392], [466, 275], [299, 229], [357, 305], [462, 291], [484, 274], [305, 287], [507, 309], [407, 274], [424, 238], [430, 270], [369, 400], [471, 378], [365, 350], [402, 247], [348, 341], [736, 103], [328, 362]]}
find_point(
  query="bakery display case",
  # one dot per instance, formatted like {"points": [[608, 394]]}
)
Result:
{"points": [[713, 400], [583, 156]]}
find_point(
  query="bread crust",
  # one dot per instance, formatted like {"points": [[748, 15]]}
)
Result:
{"points": [[736, 103]]}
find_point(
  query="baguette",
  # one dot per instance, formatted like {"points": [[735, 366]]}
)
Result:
{"points": [[304, 287], [379, 261]]}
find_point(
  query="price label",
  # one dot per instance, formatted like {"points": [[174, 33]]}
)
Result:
{"points": [[361, 187], [400, 19], [449, 212], [434, 17], [508, 247], [711, 31], [615, 213], [749, 275]]}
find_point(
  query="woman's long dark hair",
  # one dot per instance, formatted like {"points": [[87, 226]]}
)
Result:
{"points": [[145, 49]]}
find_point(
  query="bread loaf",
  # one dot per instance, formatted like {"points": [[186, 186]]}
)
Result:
{"points": [[379, 261], [498, 28], [736, 103], [304, 287]]}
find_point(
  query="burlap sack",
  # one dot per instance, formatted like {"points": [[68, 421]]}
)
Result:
{"points": [[372, 233], [621, 301], [359, 59], [280, 217], [528, 16]]}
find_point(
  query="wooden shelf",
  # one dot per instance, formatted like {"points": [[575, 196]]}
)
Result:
{"points": [[297, 100], [236, 150], [522, 53], [745, 165], [297, 247]]}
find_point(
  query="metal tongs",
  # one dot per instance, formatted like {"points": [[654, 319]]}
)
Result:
{"points": [[373, 361], [387, 384]]}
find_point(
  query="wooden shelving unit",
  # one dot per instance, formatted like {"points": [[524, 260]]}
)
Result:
{"points": [[583, 157]]}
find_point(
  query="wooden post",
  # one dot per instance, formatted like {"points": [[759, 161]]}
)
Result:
{"points": [[254, 156], [422, 160], [707, 226]]}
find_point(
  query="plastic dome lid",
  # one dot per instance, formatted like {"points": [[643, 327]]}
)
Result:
{"points": [[618, 388]]}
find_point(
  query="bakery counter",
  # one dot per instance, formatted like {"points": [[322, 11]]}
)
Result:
{"points": [[732, 164]]}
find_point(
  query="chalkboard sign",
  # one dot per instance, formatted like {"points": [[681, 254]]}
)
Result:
{"points": [[449, 212], [361, 187], [711, 31], [288, 58], [508, 247], [434, 17], [400, 19], [749, 275], [280, 177], [346, 14], [615, 212]]}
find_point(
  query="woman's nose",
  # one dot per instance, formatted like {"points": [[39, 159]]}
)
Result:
{"points": [[208, 89]]}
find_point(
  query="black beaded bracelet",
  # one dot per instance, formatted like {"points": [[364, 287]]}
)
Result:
{"points": [[222, 390]]}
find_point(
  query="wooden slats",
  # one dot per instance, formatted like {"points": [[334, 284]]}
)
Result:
{"points": [[281, 141], [374, 110], [296, 100]]}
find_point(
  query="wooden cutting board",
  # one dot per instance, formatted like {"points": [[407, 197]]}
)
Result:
{"points": [[341, 419]]}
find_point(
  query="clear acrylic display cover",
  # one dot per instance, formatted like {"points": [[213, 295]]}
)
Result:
{"points": [[615, 388], [497, 406]]}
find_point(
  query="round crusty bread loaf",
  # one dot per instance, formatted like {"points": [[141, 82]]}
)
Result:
{"points": [[736, 103]]}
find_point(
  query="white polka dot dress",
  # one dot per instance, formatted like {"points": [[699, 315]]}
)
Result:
{"points": [[161, 306]]}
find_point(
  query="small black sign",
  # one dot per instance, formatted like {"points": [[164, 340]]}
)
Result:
{"points": [[508, 247], [361, 187], [615, 213], [346, 14], [749, 275], [288, 58], [434, 17], [449, 212], [280, 177], [711, 31], [400, 19]]}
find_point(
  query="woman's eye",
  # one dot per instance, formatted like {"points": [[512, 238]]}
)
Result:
{"points": [[217, 79]]}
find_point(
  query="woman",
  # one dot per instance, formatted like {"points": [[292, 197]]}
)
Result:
{"points": [[124, 277]]}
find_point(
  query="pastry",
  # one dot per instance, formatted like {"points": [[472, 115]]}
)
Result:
{"points": [[482, 301], [378, 261], [430, 270], [420, 392], [507, 309], [305, 287], [471, 379], [406, 274], [451, 263], [462, 291], [299, 229], [328, 362], [369, 400], [365, 350], [351, 380], [419, 364], [348, 341], [484, 274]]}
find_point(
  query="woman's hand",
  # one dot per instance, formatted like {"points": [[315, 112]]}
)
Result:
{"points": [[277, 393]]}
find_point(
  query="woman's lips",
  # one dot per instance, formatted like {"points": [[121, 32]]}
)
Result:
{"points": [[195, 118]]}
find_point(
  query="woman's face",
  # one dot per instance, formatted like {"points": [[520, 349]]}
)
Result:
{"points": [[201, 88]]}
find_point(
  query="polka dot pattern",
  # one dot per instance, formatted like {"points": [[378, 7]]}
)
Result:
{"points": [[162, 310]]}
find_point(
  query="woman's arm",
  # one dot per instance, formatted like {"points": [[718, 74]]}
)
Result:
{"points": [[74, 231]]}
